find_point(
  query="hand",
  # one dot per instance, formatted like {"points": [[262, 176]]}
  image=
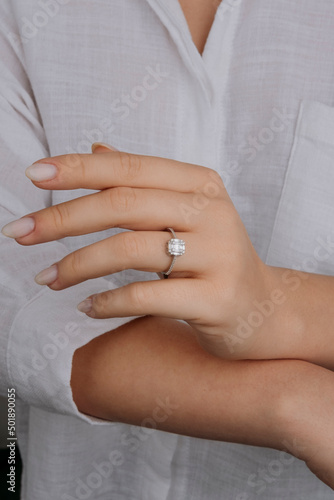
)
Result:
{"points": [[211, 287]]}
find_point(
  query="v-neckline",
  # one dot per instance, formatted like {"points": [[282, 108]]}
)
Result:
{"points": [[174, 11], [184, 21], [202, 66], [190, 31]]}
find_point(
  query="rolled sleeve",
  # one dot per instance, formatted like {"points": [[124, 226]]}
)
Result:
{"points": [[40, 328], [43, 338]]}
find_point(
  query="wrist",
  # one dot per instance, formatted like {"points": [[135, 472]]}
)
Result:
{"points": [[281, 331], [305, 411]]}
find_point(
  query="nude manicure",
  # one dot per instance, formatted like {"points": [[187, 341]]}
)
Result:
{"points": [[41, 172], [102, 145], [85, 306], [47, 276], [19, 228]]}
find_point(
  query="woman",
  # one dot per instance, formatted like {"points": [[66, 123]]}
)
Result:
{"points": [[242, 91]]}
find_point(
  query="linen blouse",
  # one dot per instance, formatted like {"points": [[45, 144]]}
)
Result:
{"points": [[257, 106]]}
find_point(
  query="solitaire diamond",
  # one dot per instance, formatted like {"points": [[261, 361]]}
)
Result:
{"points": [[176, 247]]}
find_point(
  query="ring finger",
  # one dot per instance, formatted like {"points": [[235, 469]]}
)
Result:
{"points": [[140, 250]]}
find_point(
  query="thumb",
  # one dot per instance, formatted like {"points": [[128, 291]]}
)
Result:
{"points": [[100, 147]]}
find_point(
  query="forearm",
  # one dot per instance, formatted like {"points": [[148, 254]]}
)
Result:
{"points": [[122, 376], [303, 321]]}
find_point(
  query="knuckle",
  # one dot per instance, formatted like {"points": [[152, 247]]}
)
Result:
{"points": [[213, 185], [132, 247], [121, 199], [74, 160], [75, 263], [141, 296], [69, 162], [229, 295], [223, 214], [213, 176], [131, 166], [83, 170], [101, 302], [60, 217], [231, 215]]}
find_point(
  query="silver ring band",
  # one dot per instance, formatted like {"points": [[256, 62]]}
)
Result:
{"points": [[175, 248]]}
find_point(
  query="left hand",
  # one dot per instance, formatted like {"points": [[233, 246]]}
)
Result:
{"points": [[213, 286]]}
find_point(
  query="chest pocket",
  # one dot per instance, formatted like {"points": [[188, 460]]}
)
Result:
{"points": [[303, 233]]}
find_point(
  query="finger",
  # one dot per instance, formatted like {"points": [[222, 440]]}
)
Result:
{"points": [[124, 207], [175, 298], [140, 250], [109, 169]]}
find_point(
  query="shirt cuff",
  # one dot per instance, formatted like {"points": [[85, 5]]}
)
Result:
{"points": [[42, 341]]}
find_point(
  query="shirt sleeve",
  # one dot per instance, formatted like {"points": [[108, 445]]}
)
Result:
{"points": [[40, 328]]}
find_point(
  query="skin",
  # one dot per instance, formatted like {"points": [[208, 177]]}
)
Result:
{"points": [[211, 398], [283, 404], [199, 15]]}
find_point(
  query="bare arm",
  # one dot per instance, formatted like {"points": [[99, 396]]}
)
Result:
{"points": [[153, 369], [302, 321]]}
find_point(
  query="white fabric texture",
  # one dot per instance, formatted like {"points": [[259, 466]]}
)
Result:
{"points": [[258, 107]]}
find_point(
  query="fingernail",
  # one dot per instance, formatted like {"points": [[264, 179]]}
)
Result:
{"points": [[19, 228], [41, 172], [102, 145], [47, 276], [85, 306]]}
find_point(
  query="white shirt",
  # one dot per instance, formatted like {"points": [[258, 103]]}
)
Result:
{"points": [[258, 107]]}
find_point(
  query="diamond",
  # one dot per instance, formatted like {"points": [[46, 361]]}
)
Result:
{"points": [[176, 247]]}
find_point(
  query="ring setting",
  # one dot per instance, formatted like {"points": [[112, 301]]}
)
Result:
{"points": [[175, 248]]}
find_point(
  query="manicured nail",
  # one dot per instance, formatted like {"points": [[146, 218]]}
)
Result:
{"points": [[102, 145], [47, 276], [41, 172], [19, 228], [85, 306]]}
